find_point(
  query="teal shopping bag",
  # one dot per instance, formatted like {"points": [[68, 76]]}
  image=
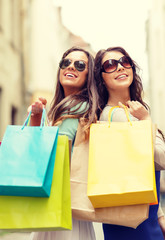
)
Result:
{"points": [[27, 156]]}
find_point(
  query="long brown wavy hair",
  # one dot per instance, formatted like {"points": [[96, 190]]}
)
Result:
{"points": [[61, 106]]}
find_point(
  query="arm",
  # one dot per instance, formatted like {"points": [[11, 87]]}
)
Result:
{"points": [[159, 152], [161, 220], [69, 126]]}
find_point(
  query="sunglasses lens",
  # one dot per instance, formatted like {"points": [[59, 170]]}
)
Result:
{"points": [[65, 63], [126, 62], [110, 65], [80, 65]]}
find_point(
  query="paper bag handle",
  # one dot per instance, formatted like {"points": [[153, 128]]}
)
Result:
{"points": [[110, 114], [43, 120]]}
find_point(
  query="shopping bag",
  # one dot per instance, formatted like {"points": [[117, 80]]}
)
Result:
{"points": [[42, 214], [27, 157], [82, 209], [121, 163]]}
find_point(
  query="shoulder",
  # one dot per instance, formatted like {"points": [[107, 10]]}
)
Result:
{"points": [[104, 114], [80, 107], [118, 115], [69, 127]]}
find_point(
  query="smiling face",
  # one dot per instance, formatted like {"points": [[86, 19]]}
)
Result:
{"points": [[71, 79], [120, 79]]}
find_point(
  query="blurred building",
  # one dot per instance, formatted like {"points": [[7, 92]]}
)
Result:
{"points": [[11, 71], [32, 41], [156, 61], [49, 40]]}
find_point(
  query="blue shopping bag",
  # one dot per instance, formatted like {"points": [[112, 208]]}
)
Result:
{"points": [[27, 156]]}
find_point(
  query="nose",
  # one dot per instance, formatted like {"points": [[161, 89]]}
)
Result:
{"points": [[119, 67], [71, 66]]}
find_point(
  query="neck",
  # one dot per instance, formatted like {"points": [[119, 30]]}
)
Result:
{"points": [[116, 97], [68, 92]]}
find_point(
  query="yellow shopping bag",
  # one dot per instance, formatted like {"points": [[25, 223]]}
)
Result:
{"points": [[121, 163], [82, 208], [39, 214]]}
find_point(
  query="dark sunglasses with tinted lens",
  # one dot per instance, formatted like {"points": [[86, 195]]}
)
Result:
{"points": [[111, 65], [79, 64]]}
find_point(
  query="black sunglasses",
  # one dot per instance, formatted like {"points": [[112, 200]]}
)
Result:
{"points": [[79, 64], [111, 65]]}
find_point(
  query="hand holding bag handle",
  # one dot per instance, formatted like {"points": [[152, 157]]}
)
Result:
{"points": [[43, 119], [27, 159]]}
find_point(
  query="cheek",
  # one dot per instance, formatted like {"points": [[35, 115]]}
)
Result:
{"points": [[131, 76], [60, 76], [107, 78], [84, 77]]}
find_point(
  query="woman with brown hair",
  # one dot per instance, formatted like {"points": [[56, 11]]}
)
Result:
{"points": [[118, 83], [75, 100]]}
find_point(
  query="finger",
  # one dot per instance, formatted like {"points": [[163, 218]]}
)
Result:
{"points": [[128, 102], [37, 108], [138, 103], [132, 104], [43, 101], [36, 111], [121, 104], [29, 109]]}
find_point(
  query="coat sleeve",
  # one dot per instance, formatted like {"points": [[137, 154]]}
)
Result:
{"points": [[160, 211], [159, 152]]}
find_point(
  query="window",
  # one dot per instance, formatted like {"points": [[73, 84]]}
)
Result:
{"points": [[13, 115]]}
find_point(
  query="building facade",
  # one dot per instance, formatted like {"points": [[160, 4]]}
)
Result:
{"points": [[32, 41], [10, 63], [156, 61]]}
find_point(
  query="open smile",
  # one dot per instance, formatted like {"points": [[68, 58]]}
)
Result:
{"points": [[70, 75], [121, 76]]}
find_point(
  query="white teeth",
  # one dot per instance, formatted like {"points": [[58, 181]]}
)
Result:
{"points": [[121, 76], [69, 75]]}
